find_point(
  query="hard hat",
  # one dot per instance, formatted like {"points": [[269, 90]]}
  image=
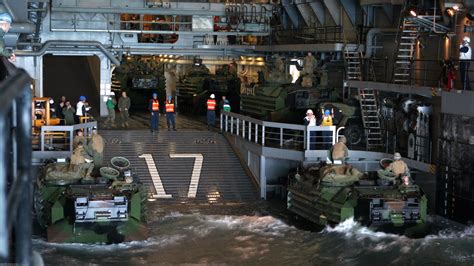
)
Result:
{"points": [[327, 112], [397, 156], [170, 97], [5, 17], [342, 139], [466, 39], [88, 160], [51, 101], [213, 96], [309, 111], [155, 94], [82, 98]]}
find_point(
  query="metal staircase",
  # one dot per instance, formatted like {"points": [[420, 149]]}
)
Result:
{"points": [[406, 51], [367, 98], [370, 118], [352, 61]]}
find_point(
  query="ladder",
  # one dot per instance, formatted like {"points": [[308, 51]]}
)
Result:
{"points": [[370, 118], [406, 51], [352, 60]]}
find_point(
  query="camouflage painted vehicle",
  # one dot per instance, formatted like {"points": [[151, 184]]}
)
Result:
{"points": [[198, 84], [72, 209], [330, 194]]}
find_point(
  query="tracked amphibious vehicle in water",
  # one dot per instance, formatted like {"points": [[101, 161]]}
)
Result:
{"points": [[76, 209], [330, 194]]}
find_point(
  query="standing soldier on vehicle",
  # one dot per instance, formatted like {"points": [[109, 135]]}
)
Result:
{"points": [[154, 108], [398, 167], [170, 113], [95, 148], [339, 151], [82, 162], [124, 105]]}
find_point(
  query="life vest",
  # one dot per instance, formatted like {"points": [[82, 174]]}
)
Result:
{"points": [[226, 106], [155, 105], [327, 121], [211, 104], [169, 107]]}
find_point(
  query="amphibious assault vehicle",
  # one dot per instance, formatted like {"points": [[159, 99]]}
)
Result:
{"points": [[77, 209], [330, 194]]}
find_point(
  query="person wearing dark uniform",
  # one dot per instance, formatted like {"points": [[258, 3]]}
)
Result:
{"points": [[211, 111], [154, 108], [170, 110], [124, 104]]}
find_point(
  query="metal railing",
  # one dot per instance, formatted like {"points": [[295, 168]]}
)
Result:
{"points": [[57, 141], [15, 167], [428, 73], [313, 138], [279, 135], [310, 35]]}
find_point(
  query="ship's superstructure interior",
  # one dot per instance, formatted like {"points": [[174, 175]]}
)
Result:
{"points": [[393, 77]]}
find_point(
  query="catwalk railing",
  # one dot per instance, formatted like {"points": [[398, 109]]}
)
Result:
{"points": [[308, 139], [15, 166], [428, 73]]}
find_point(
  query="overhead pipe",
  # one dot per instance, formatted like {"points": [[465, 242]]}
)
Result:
{"points": [[48, 44], [16, 27], [371, 36]]}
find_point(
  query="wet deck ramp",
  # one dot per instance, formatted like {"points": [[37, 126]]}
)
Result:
{"points": [[192, 166]]}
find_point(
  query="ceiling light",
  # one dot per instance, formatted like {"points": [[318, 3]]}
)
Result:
{"points": [[413, 12]]}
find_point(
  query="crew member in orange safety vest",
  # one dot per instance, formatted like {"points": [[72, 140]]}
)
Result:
{"points": [[170, 110], [154, 108], [211, 111]]}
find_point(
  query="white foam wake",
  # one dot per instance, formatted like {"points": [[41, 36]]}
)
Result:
{"points": [[267, 225], [352, 229]]}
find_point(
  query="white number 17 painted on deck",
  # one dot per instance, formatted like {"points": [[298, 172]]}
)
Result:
{"points": [[156, 179]]}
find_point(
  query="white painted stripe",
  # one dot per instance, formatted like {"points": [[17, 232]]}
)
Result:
{"points": [[196, 174], [155, 177]]}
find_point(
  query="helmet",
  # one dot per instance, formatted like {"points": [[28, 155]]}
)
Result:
{"points": [[170, 97], [343, 139], [466, 39], [155, 94], [309, 112], [213, 96], [5, 17], [327, 112], [82, 98], [397, 156]]}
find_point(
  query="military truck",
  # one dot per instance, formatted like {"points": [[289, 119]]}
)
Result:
{"points": [[328, 194], [75, 209]]}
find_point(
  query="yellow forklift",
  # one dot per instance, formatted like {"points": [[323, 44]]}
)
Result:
{"points": [[43, 115]]}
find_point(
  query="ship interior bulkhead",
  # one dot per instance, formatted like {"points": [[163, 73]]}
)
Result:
{"points": [[251, 100]]}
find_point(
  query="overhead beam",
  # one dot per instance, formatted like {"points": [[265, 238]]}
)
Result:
{"points": [[333, 8], [319, 11], [307, 13], [350, 6], [292, 12]]}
